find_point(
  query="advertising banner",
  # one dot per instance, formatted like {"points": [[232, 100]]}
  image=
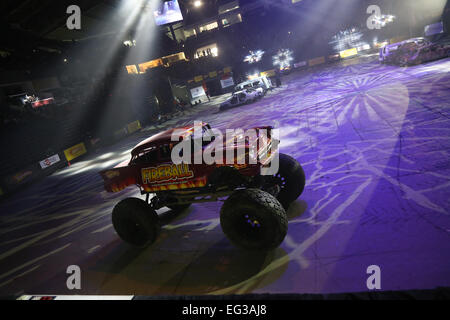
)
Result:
{"points": [[316, 61], [268, 73], [43, 102], [134, 126], [348, 53], [21, 176], [75, 151], [49, 161], [227, 82], [197, 92], [131, 69], [300, 64]]}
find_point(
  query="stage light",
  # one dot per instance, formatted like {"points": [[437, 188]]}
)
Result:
{"points": [[135, 25], [130, 43], [283, 59], [384, 19], [348, 39], [253, 75], [197, 3], [254, 56]]}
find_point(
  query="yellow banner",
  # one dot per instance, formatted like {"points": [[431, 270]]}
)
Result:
{"points": [[198, 78], [348, 53], [316, 61], [227, 69], [134, 126], [213, 74], [75, 151], [268, 73], [131, 69]]}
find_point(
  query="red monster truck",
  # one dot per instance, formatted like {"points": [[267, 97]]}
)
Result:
{"points": [[253, 216], [415, 51]]}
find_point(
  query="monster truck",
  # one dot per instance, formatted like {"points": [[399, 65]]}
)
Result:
{"points": [[253, 215], [414, 51]]}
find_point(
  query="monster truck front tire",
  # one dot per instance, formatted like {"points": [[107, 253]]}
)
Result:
{"points": [[253, 220], [135, 222]]}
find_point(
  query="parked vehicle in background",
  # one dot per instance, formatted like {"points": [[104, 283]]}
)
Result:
{"points": [[259, 82], [242, 97]]}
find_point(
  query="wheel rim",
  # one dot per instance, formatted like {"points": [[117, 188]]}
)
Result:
{"points": [[136, 232], [280, 180], [251, 226], [252, 221]]}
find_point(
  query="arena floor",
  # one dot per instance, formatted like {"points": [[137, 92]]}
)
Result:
{"points": [[374, 143]]}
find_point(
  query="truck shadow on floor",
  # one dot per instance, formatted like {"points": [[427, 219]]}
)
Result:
{"points": [[183, 261], [153, 271]]}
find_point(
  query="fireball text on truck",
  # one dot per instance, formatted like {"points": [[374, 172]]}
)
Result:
{"points": [[253, 215]]}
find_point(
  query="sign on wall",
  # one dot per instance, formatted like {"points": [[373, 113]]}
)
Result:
{"points": [[227, 82], [49, 161], [133, 126], [75, 151], [197, 92], [316, 61], [300, 64]]}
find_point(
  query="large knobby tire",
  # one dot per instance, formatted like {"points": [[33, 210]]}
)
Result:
{"points": [[135, 222], [253, 220], [291, 180]]}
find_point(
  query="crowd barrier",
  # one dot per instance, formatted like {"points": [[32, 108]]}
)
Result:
{"points": [[38, 170]]}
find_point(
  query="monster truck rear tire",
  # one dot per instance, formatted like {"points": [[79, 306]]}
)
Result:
{"points": [[253, 220], [135, 222], [292, 179]]}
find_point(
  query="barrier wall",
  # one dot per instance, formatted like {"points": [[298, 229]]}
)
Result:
{"points": [[133, 126], [40, 169], [316, 61]]}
